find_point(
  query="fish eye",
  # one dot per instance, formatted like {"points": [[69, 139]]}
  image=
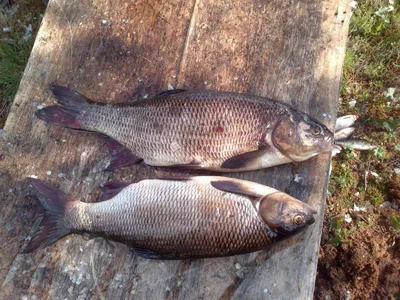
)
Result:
{"points": [[298, 220], [315, 130]]}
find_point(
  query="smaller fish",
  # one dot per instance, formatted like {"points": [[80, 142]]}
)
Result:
{"points": [[344, 133], [356, 144], [345, 121], [336, 150], [195, 217]]}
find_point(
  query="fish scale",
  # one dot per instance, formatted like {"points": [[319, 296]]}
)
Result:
{"points": [[219, 131], [143, 215], [204, 122], [203, 216]]}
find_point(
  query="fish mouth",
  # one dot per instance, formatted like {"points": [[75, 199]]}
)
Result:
{"points": [[310, 220], [329, 144]]}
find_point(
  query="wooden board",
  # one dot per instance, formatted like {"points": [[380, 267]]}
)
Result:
{"points": [[115, 51]]}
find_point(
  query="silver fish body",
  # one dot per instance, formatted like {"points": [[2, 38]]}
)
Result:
{"points": [[345, 121], [199, 217], [356, 144], [344, 133], [336, 150], [211, 130]]}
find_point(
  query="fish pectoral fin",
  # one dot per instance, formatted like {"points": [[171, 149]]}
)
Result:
{"points": [[243, 160], [242, 187], [120, 156], [170, 92], [150, 254], [111, 189]]}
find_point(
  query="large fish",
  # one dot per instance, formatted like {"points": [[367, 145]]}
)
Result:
{"points": [[211, 130], [175, 219]]}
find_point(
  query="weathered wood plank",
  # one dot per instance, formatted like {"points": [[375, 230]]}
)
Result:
{"points": [[122, 50]]}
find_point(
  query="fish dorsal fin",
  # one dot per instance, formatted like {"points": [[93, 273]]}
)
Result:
{"points": [[242, 187], [111, 189], [169, 92]]}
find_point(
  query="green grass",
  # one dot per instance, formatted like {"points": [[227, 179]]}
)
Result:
{"points": [[395, 223], [372, 61], [338, 231], [343, 178], [14, 55], [376, 195], [371, 73], [14, 50], [375, 28]]}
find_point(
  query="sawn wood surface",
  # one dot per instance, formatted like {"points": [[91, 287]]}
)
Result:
{"points": [[113, 51]]}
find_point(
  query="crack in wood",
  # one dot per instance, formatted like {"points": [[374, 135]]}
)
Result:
{"points": [[185, 51]]}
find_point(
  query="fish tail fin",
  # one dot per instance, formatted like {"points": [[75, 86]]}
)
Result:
{"points": [[67, 114], [52, 226]]}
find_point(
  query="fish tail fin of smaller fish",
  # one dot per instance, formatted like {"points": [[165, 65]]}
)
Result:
{"points": [[52, 226], [66, 114]]}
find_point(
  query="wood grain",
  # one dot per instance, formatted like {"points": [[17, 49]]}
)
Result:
{"points": [[115, 51]]}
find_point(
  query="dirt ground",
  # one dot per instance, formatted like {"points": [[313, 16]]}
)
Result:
{"points": [[367, 267], [367, 264]]}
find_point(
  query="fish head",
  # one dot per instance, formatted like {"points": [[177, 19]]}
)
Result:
{"points": [[285, 214], [299, 137]]}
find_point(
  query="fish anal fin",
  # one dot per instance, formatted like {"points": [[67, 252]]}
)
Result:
{"points": [[244, 160], [193, 165], [111, 189], [170, 92], [151, 254], [120, 156]]}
